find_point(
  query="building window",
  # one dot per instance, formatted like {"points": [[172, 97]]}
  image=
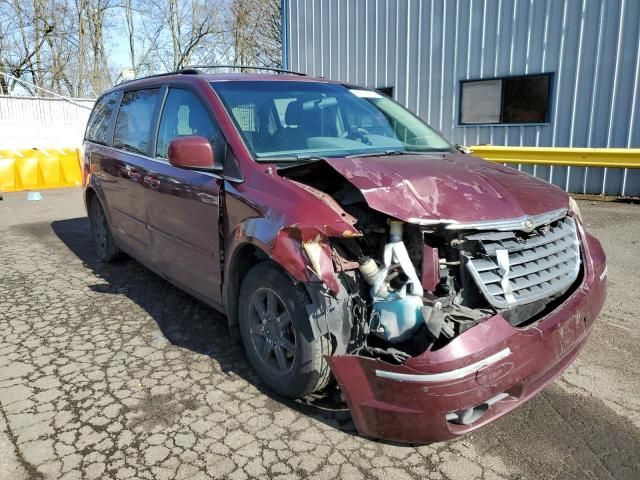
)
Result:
{"points": [[388, 91], [522, 99]]}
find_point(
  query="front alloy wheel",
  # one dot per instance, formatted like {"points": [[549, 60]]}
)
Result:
{"points": [[276, 333], [272, 332]]}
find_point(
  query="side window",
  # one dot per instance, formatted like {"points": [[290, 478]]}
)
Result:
{"points": [[134, 120], [98, 124], [184, 115]]}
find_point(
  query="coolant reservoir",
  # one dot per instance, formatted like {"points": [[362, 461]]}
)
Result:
{"points": [[396, 318]]}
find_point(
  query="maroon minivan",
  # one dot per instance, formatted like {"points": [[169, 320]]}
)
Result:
{"points": [[344, 238]]}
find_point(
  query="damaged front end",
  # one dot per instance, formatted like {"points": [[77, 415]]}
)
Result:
{"points": [[413, 288], [440, 322]]}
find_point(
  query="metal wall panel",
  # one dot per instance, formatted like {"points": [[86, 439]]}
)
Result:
{"points": [[424, 48]]}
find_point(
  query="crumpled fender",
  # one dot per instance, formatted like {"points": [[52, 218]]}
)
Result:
{"points": [[290, 223], [305, 260]]}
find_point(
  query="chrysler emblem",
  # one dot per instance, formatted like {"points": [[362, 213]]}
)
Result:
{"points": [[528, 225]]}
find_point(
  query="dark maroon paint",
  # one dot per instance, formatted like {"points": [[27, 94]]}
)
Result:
{"points": [[454, 187], [416, 412], [191, 152], [170, 218]]}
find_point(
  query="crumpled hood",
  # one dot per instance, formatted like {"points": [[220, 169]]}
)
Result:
{"points": [[452, 187]]}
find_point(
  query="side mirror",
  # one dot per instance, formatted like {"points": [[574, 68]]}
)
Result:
{"points": [[192, 152]]}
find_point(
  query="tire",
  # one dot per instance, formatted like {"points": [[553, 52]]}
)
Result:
{"points": [[106, 248], [273, 319]]}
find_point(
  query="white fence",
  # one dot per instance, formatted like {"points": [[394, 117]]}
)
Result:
{"points": [[36, 122]]}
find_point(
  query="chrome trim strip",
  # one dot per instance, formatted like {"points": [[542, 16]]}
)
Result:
{"points": [[127, 152], [445, 376], [526, 223], [162, 162]]}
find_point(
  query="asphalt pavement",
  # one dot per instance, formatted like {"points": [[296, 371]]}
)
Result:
{"points": [[108, 371]]}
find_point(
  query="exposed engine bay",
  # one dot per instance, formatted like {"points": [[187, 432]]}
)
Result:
{"points": [[413, 288]]}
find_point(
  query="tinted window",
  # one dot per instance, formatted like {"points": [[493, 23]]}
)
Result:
{"points": [[134, 120], [526, 99], [522, 99], [183, 115], [99, 122], [300, 119]]}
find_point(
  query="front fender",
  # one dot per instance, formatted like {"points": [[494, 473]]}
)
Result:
{"points": [[304, 260], [291, 225]]}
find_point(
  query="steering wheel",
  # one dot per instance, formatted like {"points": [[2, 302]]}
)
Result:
{"points": [[355, 133]]}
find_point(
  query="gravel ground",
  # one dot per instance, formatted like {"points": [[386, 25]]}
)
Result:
{"points": [[107, 371]]}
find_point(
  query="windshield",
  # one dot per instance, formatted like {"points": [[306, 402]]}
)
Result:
{"points": [[296, 120]]}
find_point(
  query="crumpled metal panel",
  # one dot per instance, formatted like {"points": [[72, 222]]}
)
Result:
{"points": [[449, 188]]}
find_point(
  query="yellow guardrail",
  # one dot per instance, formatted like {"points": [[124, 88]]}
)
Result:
{"points": [[35, 169], [567, 157]]}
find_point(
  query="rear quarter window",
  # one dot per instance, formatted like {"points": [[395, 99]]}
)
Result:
{"points": [[98, 124], [133, 125]]}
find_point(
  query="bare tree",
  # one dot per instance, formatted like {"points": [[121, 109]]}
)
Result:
{"points": [[256, 32], [61, 48], [184, 31], [94, 72], [56, 45], [25, 34], [66, 45]]}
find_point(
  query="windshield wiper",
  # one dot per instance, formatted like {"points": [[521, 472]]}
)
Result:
{"points": [[386, 153], [290, 159], [312, 158]]}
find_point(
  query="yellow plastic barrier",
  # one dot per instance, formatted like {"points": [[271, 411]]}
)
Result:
{"points": [[569, 157], [35, 169]]}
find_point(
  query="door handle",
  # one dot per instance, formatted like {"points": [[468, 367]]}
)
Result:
{"points": [[152, 181], [133, 174]]}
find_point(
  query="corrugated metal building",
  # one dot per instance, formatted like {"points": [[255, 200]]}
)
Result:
{"points": [[561, 73]]}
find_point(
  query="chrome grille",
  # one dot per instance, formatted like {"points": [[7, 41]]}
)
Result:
{"points": [[513, 270]]}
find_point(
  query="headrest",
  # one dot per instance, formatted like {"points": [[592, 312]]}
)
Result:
{"points": [[294, 115]]}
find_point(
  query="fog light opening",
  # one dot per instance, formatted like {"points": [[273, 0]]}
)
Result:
{"points": [[473, 414], [468, 416]]}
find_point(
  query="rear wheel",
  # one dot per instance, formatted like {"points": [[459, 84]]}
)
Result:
{"points": [[106, 248], [275, 332]]}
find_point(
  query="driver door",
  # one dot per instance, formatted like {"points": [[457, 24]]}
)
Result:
{"points": [[183, 205]]}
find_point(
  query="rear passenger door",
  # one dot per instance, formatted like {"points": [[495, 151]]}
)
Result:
{"points": [[98, 138], [183, 205], [124, 170]]}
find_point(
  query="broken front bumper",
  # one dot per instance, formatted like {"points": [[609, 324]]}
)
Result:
{"points": [[493, 367]]}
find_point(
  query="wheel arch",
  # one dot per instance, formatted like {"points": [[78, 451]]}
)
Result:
{"points": [[244, 258], [326, 313], [89, 195]]}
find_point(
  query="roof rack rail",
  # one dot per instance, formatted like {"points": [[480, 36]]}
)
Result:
{"points": [[184, 71], [244, 67], [195, 70]]}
